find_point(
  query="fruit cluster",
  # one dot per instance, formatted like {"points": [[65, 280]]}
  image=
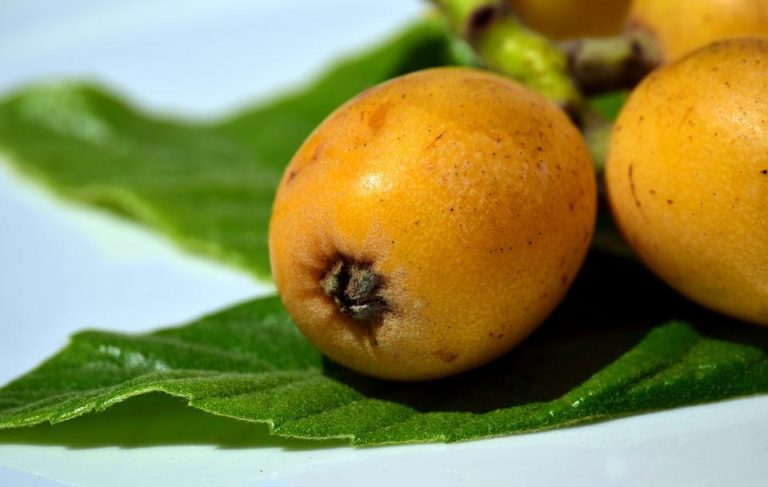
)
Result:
{"points": [[431, 223]]}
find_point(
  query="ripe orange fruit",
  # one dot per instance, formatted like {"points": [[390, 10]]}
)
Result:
{"points": [[430, 224], [681, 27], [687, 176], [565, 19]]}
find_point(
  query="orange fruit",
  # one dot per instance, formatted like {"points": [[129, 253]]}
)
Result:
{"points": [[681, 27], [431, 223], [687, 176], [565, 19]]}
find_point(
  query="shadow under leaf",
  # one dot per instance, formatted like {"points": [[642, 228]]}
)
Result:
{"points": [[156, 420]]}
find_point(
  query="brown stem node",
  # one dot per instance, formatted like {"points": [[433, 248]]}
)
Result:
{"points": [[606, 64], [356, 288], [481, 18]]}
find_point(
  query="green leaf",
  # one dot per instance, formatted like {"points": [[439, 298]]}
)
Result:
{"points": [[208, 186], [588, 363], [609, 104]]}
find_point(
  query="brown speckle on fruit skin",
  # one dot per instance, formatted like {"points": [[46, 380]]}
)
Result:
{"points": [[446, 356], [440, 136], [630, 175], [379, 117], [317, 153]]}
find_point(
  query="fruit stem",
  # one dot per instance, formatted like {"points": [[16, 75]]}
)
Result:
{"points": [[356, 289], [600, 65], [505, 45]]}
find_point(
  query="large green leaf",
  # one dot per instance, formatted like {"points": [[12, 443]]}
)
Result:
{"points": [[209, 186], [588, 363]]}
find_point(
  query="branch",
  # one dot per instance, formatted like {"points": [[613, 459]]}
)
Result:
{"points": [[606, 64], [508, 47]]}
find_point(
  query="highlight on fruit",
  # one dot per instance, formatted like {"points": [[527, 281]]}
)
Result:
{"points": [[432, 223]]}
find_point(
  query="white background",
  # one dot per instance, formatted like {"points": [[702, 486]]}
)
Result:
{"points": [[65, 267]]}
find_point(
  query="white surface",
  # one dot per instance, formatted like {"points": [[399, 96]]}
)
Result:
{"points": [[64, 267], [717, 445], [193, 56]]}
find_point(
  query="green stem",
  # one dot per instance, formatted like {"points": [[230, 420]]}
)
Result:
{"points": [[508, 47]]}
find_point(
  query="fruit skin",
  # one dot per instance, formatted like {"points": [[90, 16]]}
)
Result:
{"points": [[565, 19], [472, 197], [687, 176], [681, 27]]}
